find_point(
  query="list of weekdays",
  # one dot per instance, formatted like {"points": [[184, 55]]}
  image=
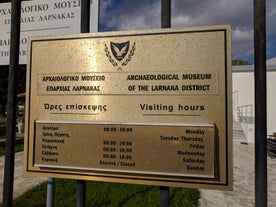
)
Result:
{"points": [[186, 151]]}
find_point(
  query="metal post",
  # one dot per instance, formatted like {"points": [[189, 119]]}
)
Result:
{"points": [[164, 199], [85, 16], [260, 103], [50, 193], [12, 92], [166, 13], [85, 23], [81, 191]]}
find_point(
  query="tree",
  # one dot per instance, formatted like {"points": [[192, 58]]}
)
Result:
{"points": [[21, 84], [240, 62]]}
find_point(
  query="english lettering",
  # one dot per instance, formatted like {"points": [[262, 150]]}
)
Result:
{"points": [[191, 153], [197, 146], [153, 77], [191, 107], [195, 87], [197, 76], [156, 107], [165, 88], [171, 138], [195, 131], [195, 168], [190, 160], [127, 164], [192, 139]]}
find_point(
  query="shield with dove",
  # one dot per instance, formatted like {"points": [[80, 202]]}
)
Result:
{"points": [[119, 50]]}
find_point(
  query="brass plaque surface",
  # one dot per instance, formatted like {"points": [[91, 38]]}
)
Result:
{"points": [[84, 89]]}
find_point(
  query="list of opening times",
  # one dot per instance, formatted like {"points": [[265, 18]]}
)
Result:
{"points": [[146, 149]]}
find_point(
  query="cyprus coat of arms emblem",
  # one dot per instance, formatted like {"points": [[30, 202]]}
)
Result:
{"points": [[120, 52]]}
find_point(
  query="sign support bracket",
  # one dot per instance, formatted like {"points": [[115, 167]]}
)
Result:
{"points": [[260, 103], [11, 116], [164, 200], [85, 22]]}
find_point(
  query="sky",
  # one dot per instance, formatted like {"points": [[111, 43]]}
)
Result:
{"points": [[116, 15]]}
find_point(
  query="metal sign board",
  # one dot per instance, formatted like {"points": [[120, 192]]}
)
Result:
{"points": [[40, 18], [147, 107]]}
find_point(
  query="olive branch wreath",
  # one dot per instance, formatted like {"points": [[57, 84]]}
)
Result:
{"points": [[131, 53], [107, 53]]}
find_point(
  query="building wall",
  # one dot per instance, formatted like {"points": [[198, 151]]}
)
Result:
{"points": [[271, 102], [243, 84]]}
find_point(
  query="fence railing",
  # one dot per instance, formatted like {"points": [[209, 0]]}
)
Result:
{"points": [[235, 99], [245, 114], [245, 117]]}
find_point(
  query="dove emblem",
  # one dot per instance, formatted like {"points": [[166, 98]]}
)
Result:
{"points": [[119, 50], [120, 54]]}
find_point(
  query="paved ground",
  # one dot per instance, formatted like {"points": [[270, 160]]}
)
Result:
{"points": [[244, 184], [21, 183], [242, 195]]}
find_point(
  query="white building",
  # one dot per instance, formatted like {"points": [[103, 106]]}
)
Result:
{"points": [[243, 98]]}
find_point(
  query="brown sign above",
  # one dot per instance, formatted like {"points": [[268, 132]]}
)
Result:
{"points": [[148, 107]]}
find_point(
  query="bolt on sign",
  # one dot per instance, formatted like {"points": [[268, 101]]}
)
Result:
{"points": [[146, 107]]}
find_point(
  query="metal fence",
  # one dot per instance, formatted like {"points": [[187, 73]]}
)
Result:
{"points": [[260, 110]]}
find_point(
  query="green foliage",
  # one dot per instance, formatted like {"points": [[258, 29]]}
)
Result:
{"points": [[21, 84], [18, 148], [2, 131], [184, 197], [240, 62], [2, 151], [35, 197], [101, 194], [3, 122], [19, 143], [115, 194], [4, 72]]}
